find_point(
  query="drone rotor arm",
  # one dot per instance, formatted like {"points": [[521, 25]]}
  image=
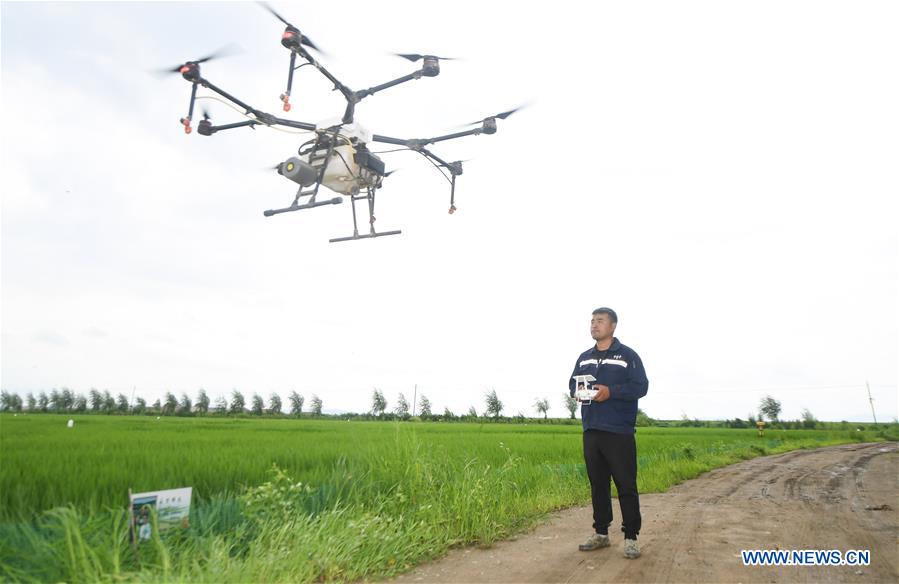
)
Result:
{"points": [[453, 136], [348, 94], [291, 124], [372, 90], [208, 85], [263, 118], [430, 155], [390, 140], [207, 129], [455, 169]]}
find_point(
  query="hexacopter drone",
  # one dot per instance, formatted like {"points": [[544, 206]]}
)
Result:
{"points": [[338, 157]]}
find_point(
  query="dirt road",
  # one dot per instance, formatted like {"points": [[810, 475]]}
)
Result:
{"points": [[838, 498]]}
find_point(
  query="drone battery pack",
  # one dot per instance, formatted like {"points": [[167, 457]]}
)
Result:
{"points": [[368, 160]]}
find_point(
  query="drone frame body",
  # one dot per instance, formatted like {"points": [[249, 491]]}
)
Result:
{"points": [[334, 143]]}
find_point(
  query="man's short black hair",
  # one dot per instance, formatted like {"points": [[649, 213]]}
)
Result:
{"points": [[609, 311]]}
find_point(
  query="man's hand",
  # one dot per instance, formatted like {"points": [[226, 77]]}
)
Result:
{"points": [[602, 393]]}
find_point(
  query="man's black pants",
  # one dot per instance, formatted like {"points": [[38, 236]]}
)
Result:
{"points": [[613, 456]]}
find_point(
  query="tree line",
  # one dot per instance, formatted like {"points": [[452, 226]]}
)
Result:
{"points": [[103, 402]]}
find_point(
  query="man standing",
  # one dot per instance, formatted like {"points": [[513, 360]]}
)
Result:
{"points": [[610, 451]]}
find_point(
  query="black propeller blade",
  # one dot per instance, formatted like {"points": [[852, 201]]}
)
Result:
{"points": [[304, 40], [223, 52], [415, 57], [502, 116], [275, 14]]}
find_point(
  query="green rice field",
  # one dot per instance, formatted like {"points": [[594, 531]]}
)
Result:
{"points": [[309, 499]]}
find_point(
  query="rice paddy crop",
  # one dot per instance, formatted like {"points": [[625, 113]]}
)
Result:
{"points": [[376, 497]]}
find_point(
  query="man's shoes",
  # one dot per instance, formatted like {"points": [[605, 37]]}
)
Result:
{"points": [[631, 549], [594, 542]]}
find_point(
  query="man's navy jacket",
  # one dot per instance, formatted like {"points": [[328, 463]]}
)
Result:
{"points": [[620, 368]]}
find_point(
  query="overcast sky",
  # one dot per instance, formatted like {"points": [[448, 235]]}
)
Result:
{"points": [[722, 174]]}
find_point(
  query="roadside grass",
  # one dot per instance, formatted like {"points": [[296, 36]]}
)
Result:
{"points": [[374, 498]]}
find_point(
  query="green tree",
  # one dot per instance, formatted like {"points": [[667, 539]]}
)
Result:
{"points": [[542, 406], [770, 408], [185, 406], [16, 402], [10, 402], [140, 406], [67, 398], [296, 403], [6, 401], [43, 402], [258, 407], [237, 402], [494, 405], [170, 404], [121, 403], [202, 404], [80, 403], [316, 404], [643, 419], [570, 404], [378, 403], [402, 406], [30, 402], [424, 406], [274, 404], [108, 402], [808, 419], [55, 403], [95, 398], [221, 405], [472, 413]]}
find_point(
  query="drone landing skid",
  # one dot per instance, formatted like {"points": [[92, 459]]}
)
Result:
{"points": [[370, 198], [310, 205], [366, 236]]}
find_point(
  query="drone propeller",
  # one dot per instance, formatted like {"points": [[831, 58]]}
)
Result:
{"points": [[223, 52], [501, 116], [304, 40], [415, 57]]}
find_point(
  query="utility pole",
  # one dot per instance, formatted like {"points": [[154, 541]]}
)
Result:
{"points": [[415, 400], [871, 399]]}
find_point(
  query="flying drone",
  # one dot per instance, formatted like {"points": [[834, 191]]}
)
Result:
{"points": [[339, 156]]}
